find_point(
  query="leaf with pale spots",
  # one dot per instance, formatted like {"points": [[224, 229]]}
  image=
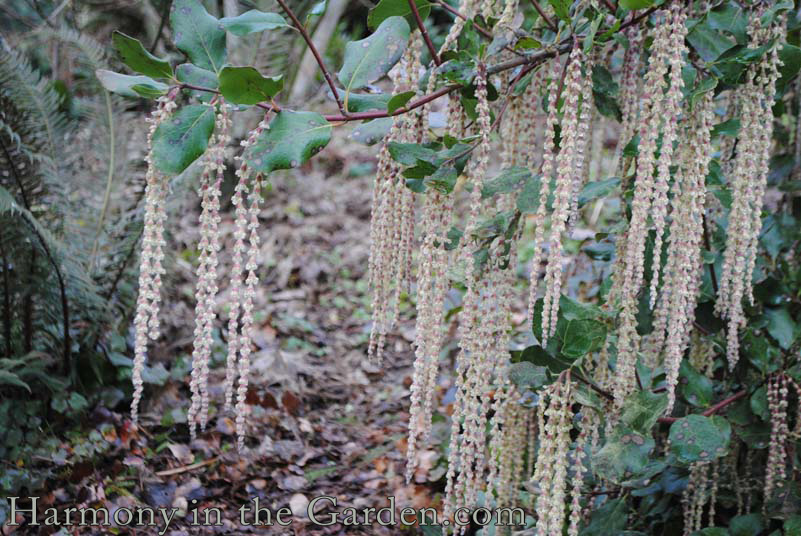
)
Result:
{"points": [[624, 456], [371, 132], [290, 140], [697, 438], [134, 55], [182, 138], [194, 75], [371, 58], [245, 85], [197, 34], [253, 21]]}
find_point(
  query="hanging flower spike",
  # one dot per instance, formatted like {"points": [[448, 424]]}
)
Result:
{"points": [[569, 166], [150, 269], [206, 286], [546, 172], [749, 180]]}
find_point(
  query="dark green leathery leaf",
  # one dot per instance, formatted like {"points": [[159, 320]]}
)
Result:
{"points": [[289, 141], [134, 55], [245, 85], [371, 58], [197, 34], [253, 21], [390, 8], [182, 138], [697, 438]]}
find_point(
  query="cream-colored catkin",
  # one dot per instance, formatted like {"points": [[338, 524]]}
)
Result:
{"points": [[629, 95], [235, 287], [776, 468], [478, 321], [671, 109], [569, 166], [749, 179], [150, 260], [392, 221], [577, 481], [206, 285], [695, 496], [630, 278], [550, 473], [546, 173], [685, 244], [251, 281]]}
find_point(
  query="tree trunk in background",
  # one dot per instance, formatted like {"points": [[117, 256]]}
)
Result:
{"points": [[308, 70]]}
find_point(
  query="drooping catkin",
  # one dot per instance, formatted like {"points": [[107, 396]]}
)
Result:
{"points": [[684, 263], [749, 179], [481, 326], [546, 173], [146, 322], [671, 109], [569, 166], [776, 468], [236, 291], [629, 276], [629, 95], [550, 473], [392, 221], [577, 481], [206, 285]]}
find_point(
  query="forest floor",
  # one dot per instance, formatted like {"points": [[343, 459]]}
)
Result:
{"points": [[324, 420]]}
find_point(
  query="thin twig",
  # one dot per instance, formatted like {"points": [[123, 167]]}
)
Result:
{"points": [[544, 16], [609, 6], [164, 15], [314, 51], [424, 33], [714, 409], [186, 468]]}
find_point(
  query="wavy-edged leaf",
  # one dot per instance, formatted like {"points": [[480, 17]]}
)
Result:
{"points": [[391, 8], [182, 138], [289, 141], [134, 55], [371, 58], [194, 75], [253, 21], [131, 85], [697, 438], [197, 34], [245, 85]]}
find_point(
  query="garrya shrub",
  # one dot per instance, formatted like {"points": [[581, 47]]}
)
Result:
{"points": [[667, 395]]}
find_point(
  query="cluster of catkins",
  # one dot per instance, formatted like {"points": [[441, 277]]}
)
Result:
{"points": [[206, 286], [551, 475], [748, 179], [659, 113], [146, 321], [570, 177], [392, 220], [246, 199], [701, 490]]}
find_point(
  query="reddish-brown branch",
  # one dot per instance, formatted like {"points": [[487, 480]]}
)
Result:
{"points": [[610, 6], [714, 409], [424, 32], [315, 53], [544, 16], [531, 60]]}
